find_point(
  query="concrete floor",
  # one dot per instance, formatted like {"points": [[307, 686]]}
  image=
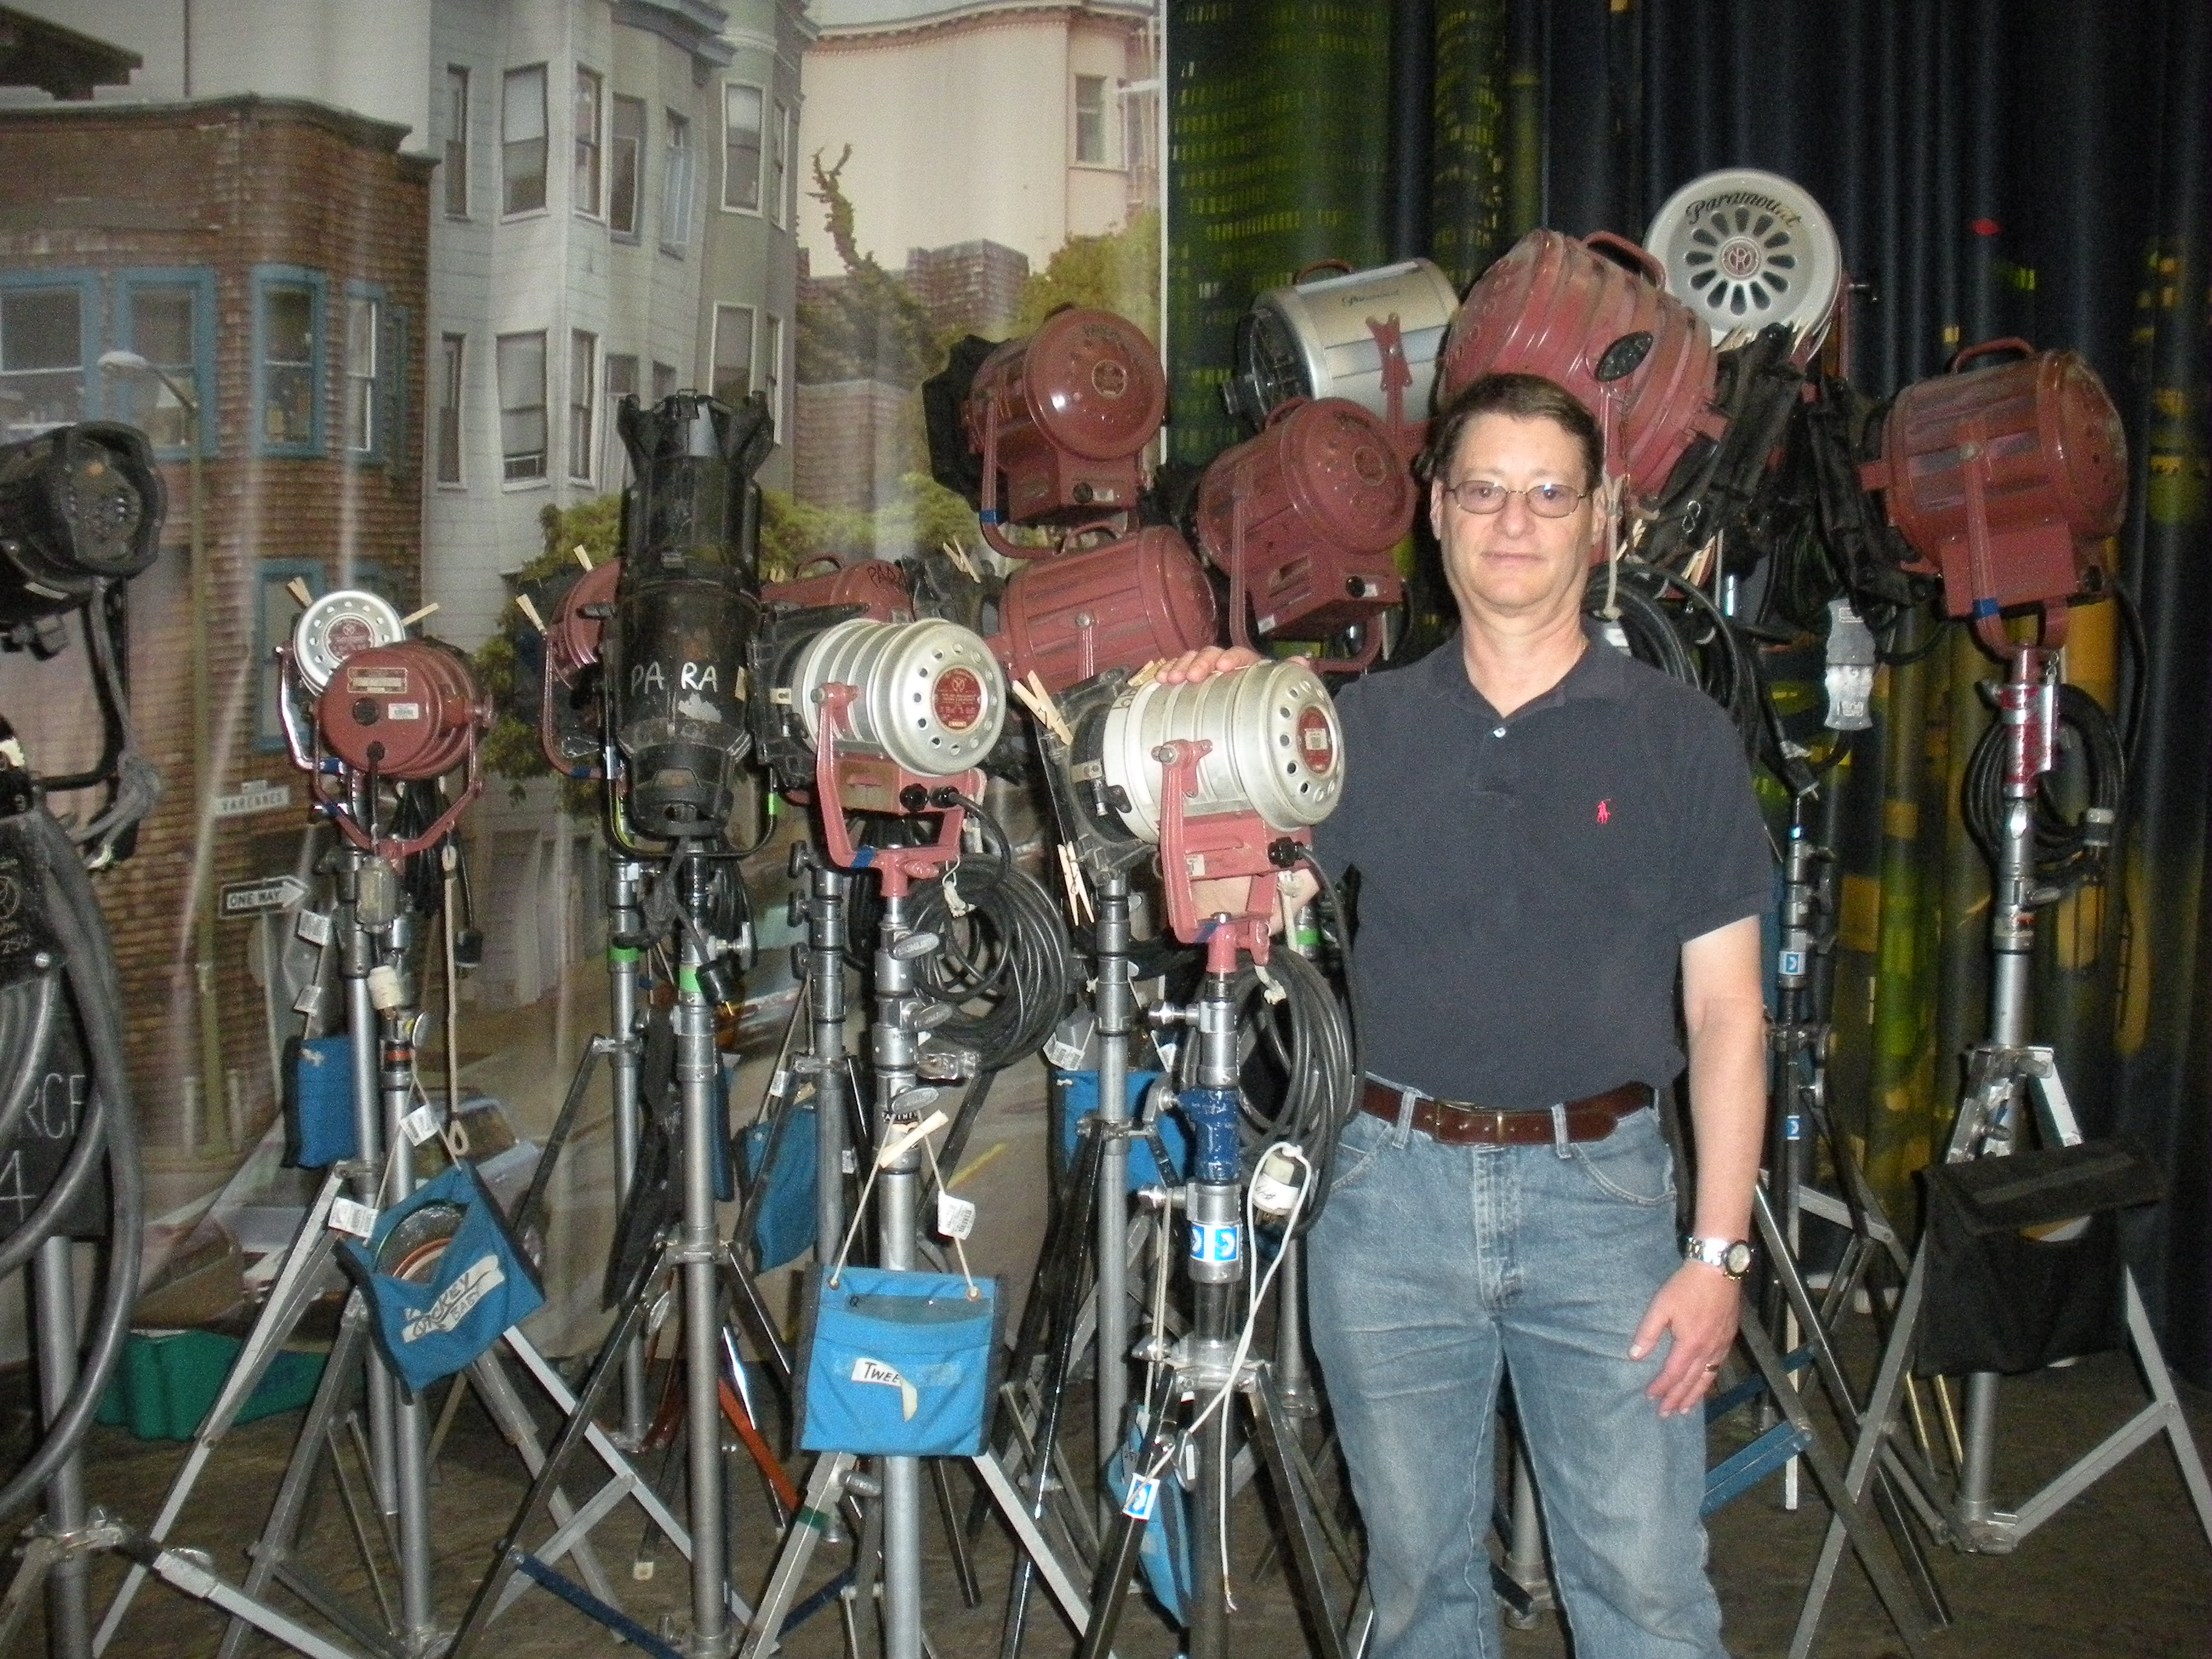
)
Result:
{"points": [[2123, 1570]]}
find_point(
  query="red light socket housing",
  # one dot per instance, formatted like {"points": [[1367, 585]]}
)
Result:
{"points": [[408, 711], [571, 641], [1559, 307], [1062, 416], [878, 585], [2027, 459], [1303, 518], [1117, 606]]}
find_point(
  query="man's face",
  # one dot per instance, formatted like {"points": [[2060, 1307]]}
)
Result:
{"points": [[1512, 565]]}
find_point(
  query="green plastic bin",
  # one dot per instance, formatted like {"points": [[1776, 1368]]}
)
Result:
{"points": [[167, 1380]]}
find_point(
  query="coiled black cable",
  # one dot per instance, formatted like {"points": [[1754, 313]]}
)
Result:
{"points": [[1009, 951], [109, 1129], [2067, 851]]}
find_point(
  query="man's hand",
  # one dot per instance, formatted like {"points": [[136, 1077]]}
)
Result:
{"points": [[1205, 663], [1699, 1306]]}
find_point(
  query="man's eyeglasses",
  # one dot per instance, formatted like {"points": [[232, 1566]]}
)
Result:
{"points": [[1545, 500]]}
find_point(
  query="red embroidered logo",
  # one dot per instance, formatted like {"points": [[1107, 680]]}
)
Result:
{"points": [[1605, 811]]}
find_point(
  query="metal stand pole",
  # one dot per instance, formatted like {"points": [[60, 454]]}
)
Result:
{"points": [[625, 924], [2027, 708], [411, 1448], [827, 890], [695, 1068], [892, 1043], [1115, 1005], [69, 1615], [1215, 1265], [367, 900]]}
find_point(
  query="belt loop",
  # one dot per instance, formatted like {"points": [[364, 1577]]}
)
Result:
{"points": [[1404, 1131], [1559, 1131]]}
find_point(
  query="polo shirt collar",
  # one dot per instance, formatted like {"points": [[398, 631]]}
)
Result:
{"points": [[1601, 674]]}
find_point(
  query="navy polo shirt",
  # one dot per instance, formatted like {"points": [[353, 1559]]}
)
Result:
{"points": [[1527, 883]]}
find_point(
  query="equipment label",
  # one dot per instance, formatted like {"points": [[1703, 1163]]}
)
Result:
{"points": [[403, 711], [1212, 1244], [376, 682], [1793, 964], [348, 1217], [1315, 742], [957, 699], [1144, 1498]]}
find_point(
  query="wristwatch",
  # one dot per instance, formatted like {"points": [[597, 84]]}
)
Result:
{"points": [[1730, 1255]]}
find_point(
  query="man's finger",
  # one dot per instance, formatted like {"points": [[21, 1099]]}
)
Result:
{"points": [[1647, 1334]]}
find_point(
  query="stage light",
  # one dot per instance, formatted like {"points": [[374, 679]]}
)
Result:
{"points": [[1304, 519], [1061, 419], [1121, 605], [2006, 481], [336, 626], [878, 587], [928, 698], [1636, 356], [79, 504], [685, 608], [407, 712], [1372, 337]]}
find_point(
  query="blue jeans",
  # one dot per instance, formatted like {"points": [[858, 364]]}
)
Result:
{"points": [[1436, 1270]]}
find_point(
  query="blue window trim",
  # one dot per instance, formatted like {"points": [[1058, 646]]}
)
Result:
{"points": [[265, 278], [379, 451], [400, 452], [274, 572], [201, 281], [90, 321]]}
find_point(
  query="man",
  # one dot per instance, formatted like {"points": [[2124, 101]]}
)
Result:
{"points": [[1546, 832]]}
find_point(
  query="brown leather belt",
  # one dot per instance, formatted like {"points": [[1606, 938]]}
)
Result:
{"points": [[1456, 1123]]}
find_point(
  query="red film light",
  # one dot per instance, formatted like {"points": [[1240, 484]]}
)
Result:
{"points": [[408, 711], [1063, 415], [1304, 518], [1117, 606], [877, 585], [1638, 358], [571, 643], [2008, 481]]}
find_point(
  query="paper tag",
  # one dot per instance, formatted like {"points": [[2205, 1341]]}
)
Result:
{"points": [[955, 1216], [1144, 1498], [949, 882], [313, 926], [349, 1217], [421, 1124]]}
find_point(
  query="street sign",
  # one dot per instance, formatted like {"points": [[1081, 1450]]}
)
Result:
{"points": [[256, 898], [251, 796]]}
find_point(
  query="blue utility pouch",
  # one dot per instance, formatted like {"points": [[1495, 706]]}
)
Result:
{"points": [[1164, 1552], [897, 1365], [481, 1283], [1077, 1096], [319, 1127], [783, 1217]]}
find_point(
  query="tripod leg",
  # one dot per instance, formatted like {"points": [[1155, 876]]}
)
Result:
{"points": [[956, 1539], [1275, 1444], [507, 1410], [1117, 1560], [824, 1488]]}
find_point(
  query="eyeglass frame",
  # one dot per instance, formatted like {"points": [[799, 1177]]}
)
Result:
{"points": [[1527, 494]]}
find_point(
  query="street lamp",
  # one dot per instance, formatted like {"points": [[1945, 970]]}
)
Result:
{"points": [[213, 1106]]}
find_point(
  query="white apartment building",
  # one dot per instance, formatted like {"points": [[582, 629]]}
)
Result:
{"points": [[1007, 121]]}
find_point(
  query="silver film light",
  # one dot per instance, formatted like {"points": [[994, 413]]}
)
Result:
{"points": [[930, 697], [334, 626], [1276, 750]]}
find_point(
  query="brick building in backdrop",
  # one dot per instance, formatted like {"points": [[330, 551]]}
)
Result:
{"points": [[270, 256]]}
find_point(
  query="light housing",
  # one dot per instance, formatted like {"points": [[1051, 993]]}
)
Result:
{"points": [[341, 622], [1120, 606], [79, 505], [1324, 337]]}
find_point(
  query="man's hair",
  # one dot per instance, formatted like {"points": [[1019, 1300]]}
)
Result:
{"points": [[1524, 397]]}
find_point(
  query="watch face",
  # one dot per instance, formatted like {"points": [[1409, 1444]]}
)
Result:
{"points": [[1735, 1260]]}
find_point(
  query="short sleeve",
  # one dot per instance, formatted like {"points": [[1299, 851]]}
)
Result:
{"points": [[1723, 862]]}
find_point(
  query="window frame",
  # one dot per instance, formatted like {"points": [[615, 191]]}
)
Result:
{"points": [[274, 576], [585, 406], [760, 149], [545, 138], [1076, 112], [125, 331], [715, 351], [778, 144], [265, 279], [543, 477], [614, 455], [457, 183], [594, 173], [458, 383], [678, 197], [635, 230], [381, 402], [90, 331], [772, 343]]}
